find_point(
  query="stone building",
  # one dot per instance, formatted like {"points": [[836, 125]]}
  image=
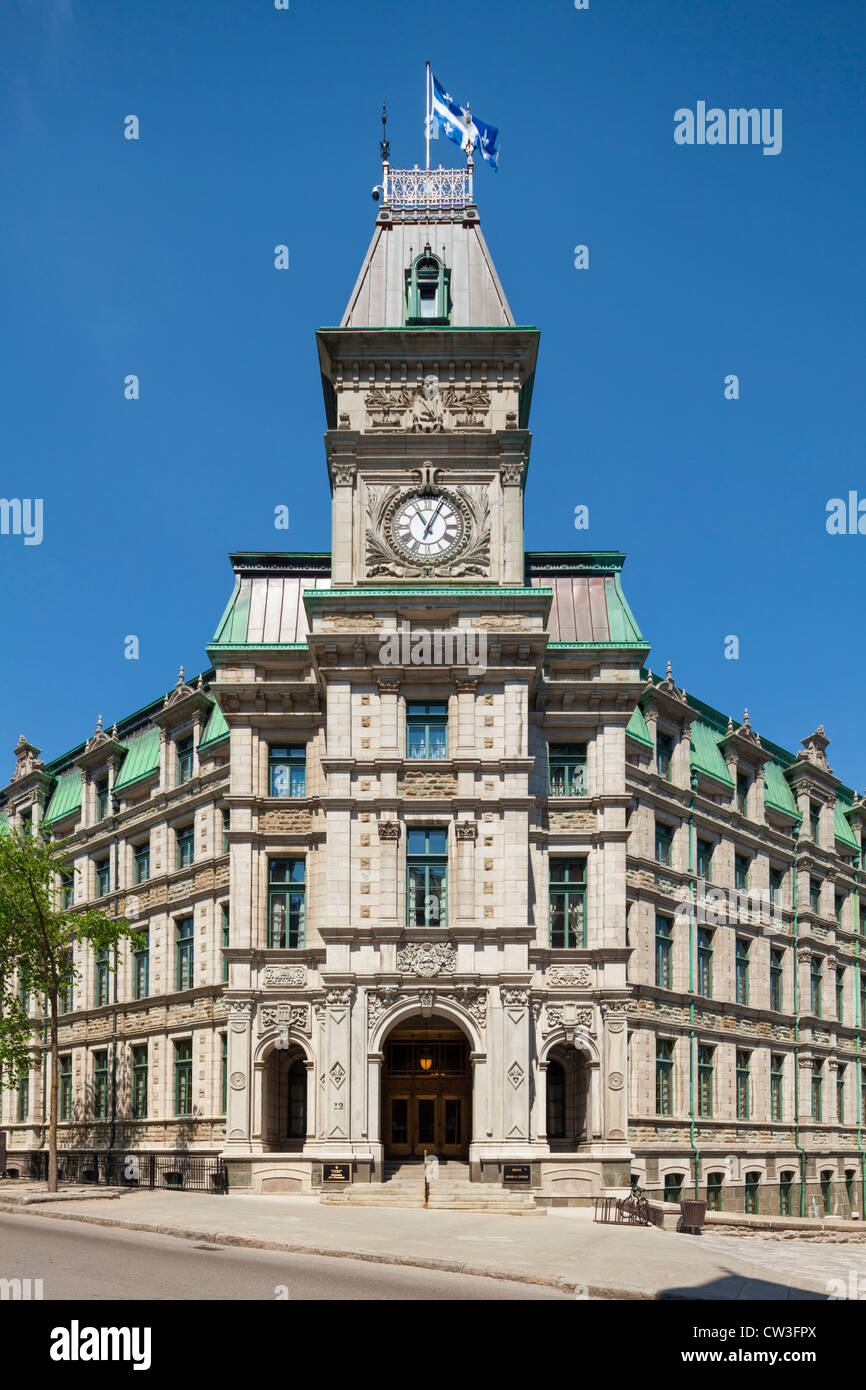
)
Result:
{"points": [[426, 861]]}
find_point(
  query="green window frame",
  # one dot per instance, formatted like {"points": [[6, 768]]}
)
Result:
{"points": [[705, 860], [777, 878], [427, 729], [185, 953], [183, 1076], [139, 1081], [840, 907], [100, 1084], [142, 861], [287, 894], [705, 1081], [664, 1076], [850, 1176], [786, 1190], [815, 984], [664, 843], [817, 1091], [840, 993], [840, 1095], [567, 903], [224, 1071], [185, 846], [67, 890], [141, 965], [743, 783], [185, 759], [427, 287], [673, 1187], [861, 1022], [815, 895], [744, 1085], [664, 951], [287, 770], [814, 821], [826, 1180], [741, 872], [103, 975], [715, 1182], [103, 878], [227, 825], [705, 962], [741, 969], [102, 799], [64, 997], [777, 961], [753, 1183], [226, 939], [566, 769], [64, 1078], [427, 876], [23, 1107], [777, 1064], [664, 755]]}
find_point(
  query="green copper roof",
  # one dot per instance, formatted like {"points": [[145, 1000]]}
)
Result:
{"points": [[706, 754], [215, 729], [66, 796], [636, 727], [620, 618], [141, 760], [842, 828], [777, 793]]}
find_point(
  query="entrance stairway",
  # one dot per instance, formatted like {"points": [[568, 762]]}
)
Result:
{"points": [[403, 1186]]}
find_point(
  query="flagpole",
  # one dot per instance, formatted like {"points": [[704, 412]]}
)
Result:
{"points": [[427, 110]]}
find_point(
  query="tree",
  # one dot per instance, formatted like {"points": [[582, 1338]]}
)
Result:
{"points": [[38, 936]]}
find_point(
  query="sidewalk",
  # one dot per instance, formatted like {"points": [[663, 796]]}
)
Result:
{"points": [[561, 1247]]}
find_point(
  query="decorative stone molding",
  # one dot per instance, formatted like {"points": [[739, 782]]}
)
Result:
{"points": [[238, 1081], [564, 1015], [285, 1015], [337, 1075], [615, 1081], [427, 958], [28, 759], [378, 1002], [512, 474], [283, 976], [343, 474], [338, 998], [466, 830], [475, 1004], [241, 1010], [815, 749], [580, 976], [428, 408], [426, 998], [388, 687], [388, 829], [515, 997], [515, 1074], [614, 1007], [385, 554]]}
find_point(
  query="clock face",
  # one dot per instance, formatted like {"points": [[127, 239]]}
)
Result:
{"points": [[427, 527]]}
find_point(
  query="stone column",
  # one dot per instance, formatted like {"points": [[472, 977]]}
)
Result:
{"points": [[337, 1052], [388, 697], [343, 474], [541, 1102], [466, 718], [240, 1075], [511, 475], [615, 1068], [389, 840], [466, 833], [515, 1065], [312, 1101]]}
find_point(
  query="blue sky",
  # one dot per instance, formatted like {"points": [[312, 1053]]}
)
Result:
{"points": [[260, 127]]}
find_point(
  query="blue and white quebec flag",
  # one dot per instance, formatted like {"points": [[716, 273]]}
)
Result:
{"points": [[457, 122]]}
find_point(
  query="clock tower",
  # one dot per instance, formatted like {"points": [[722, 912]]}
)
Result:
{"points": [[427, 382]]}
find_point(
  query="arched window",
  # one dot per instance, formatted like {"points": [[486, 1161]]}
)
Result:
{"points": [[297, 1115], [428, 290], [555, 1100]]}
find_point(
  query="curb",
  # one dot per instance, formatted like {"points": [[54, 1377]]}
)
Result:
{"points": [[369, 1257]]}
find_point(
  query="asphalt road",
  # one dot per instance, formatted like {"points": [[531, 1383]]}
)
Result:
{"points": [[90, 1262]]}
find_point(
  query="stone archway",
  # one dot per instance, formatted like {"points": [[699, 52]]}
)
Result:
{"points": [[285, 1099], [426, 1087]]}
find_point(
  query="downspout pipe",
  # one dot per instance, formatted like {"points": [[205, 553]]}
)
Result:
{"points": [[858, 1015], [692, 948], [797, 1141]]}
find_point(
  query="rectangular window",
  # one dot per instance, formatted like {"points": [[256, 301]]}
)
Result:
{"points": [[777, 1063], [786, 1187], [815, 985], [840, 1095], [427, 877], [814, 821], [65, 1083], [664, 755], [64, 998], [714, 1191], [705, 860], [185, 846], [141, 965], [817, 1090], [664, 1076], [67, 890], [567, 902], [776, 963], [815, 894], [101, 800], [705, 962], [139, 1081], [840, 993], [742, 793], [752, 1186], [664, 843], [142, 862], [427, 729], [100, 1085], [184, 759], [225, 917], [705, 1082], [673, 1188], [776, 879], [840, 907], [183, 1077], [567, 769], [23, 1099], [286, 903], [103, 972], [103, 878], [742, 970], [227, 823], [287, 770], [741, 872], [744, 1097], [224, 1070], [185, 953], [664, 952]]}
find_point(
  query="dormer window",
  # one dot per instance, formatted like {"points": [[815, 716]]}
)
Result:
{"points": [[428, 286]]}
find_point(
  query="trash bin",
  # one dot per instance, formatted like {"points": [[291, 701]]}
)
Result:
{"points": [[692, 1215]]}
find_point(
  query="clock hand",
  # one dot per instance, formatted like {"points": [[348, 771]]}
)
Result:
{"points": [[432, 519]]}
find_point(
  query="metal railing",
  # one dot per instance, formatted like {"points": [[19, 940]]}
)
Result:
{"points": [[177, 1172], [426, 188]]}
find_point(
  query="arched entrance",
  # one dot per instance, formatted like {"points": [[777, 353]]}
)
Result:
{"points": [[285, 1101], [568, 1088], [426, 1090]]}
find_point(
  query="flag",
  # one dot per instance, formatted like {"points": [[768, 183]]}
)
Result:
{"points": [[459, 125]]}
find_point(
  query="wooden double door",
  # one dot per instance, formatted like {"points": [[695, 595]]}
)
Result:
{"points": [[427, 1098]]}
